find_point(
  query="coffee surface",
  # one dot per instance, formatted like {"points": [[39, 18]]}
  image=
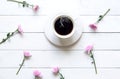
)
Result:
{"points": [[63, 25]]}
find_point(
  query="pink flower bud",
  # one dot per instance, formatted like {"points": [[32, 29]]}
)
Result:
{"points": [[20, 30], [93, 26], [36, 8], [27, 54], [36, 73], [55, 70], [88, 49]]}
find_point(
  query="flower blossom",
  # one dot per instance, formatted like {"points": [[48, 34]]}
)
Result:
{"points": [[26, 56], [89, 50], [37, 74], [94, 25], [56, 71], [35, 8]]}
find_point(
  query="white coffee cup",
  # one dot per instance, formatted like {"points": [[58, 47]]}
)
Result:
{"points": [[68, 39], [62, 21]]}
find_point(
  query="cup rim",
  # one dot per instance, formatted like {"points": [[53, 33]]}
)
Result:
{"points": [[63, 36]]}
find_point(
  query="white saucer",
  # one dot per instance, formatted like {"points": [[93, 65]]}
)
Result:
{"points": [[50, 35]]}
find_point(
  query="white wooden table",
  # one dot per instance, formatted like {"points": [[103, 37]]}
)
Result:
{"points": [[73, 61]]}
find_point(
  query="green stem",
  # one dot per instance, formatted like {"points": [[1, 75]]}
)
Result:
{"points": [[16, 1], [36, 77], [10, 35], [21, 2], [61, 76], [102, 16], [21, 66], [94, 62], [31, 5]]}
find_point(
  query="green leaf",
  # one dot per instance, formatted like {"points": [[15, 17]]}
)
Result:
{"points": [[61, 78], [92, 62], [24, 3], [27, 5], [12, 33], [91, 56], [100, 16], [3, 40], [8, 34]]}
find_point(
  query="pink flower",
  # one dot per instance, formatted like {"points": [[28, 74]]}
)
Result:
{"points": [[93, 26], [55, 70], [20, 30], [36, 73], [35, 8], [88, 49], [27, 54]]}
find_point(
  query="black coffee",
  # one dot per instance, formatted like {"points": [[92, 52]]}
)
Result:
{"points": [[63, 25]]}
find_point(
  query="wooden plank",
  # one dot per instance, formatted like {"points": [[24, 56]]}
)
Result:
{"points": [[94, 7], [68, 74], [38, 23], [65, 59], [38, 41], [28, 23]]}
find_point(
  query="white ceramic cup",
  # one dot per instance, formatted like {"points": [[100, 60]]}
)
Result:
{"points": [[66, 35], [63, 40]]}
